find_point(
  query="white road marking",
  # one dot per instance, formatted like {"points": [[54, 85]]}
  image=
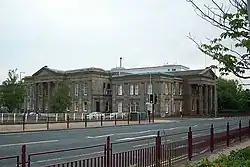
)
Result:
{"points": [[97, 137], [68, 157], [18, 133], [28, 143], [133, 138], [148, 144]]}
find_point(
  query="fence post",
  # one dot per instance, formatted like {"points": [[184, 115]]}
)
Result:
{"points": [[24, 122], [128, 117], [86, 121], [190, 144], [2, 119], [23, 155], [116, 118], [67, 121], [212, 138], [240, 130], [108, 149], [249, 128], [101, 120], [139, 118], [36, 117], [14, 118], [158, 149], [228, 134], [47, 122]]}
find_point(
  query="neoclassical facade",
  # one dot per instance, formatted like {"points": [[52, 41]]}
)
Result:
{"points": [[192, 92]]}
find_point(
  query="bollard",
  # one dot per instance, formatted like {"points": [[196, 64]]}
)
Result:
{"points": [[228, 134], [86, 121], [190, 144], [240, 130], [212, 138], [56, 117], [67, 121], [2, 117], [23, 155]]}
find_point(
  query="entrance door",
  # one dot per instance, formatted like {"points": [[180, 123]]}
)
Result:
{"points": [[97, 106]]}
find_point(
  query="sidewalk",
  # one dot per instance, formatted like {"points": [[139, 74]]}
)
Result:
{"points": [[72, 125]]}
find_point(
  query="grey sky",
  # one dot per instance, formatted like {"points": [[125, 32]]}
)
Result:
{"points": [[68, 34]]}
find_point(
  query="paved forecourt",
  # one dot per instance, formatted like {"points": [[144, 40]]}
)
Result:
{"points": [[124, 135]]}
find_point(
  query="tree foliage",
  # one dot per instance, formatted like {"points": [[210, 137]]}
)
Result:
{"points": [[231, 95], [231, 48], [12, 91], [60, 99]]}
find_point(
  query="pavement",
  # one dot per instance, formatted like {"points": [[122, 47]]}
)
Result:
{"points": [[123, 138]]}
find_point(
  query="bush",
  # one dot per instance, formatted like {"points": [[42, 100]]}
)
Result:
{"points": [[240, 158]]}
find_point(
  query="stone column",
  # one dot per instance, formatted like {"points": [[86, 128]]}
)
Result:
{"points": [[42, 97], [210, 99], [49, 97], [36, 96], [215, 101], [190, 111], [206, 100], [201, 99]]}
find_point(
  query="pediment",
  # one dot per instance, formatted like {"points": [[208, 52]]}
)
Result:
{"points": [[209, 74], [44, 72]]}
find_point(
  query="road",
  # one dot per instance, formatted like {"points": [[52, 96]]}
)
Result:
{"points": [[122, 136]]}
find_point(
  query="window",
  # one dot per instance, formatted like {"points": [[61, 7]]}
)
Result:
{"points": [[136, 89], [134, 107], [173, 69], [120, 90], [120, 107], [166, 89], [69, 89], [131, 89], [76, 106], [173, 88], [180, 106], [150, 91], [84, 89], [85, 106], [76, 89], [107, 106]]}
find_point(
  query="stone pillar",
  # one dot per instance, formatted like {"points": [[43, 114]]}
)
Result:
{"points": [[36, 96], [49, 97], [190, 111], [215, 101], [206, 100], [201, 99], [42, 97], [210, 99]]}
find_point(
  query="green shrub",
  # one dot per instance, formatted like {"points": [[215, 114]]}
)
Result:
{"points": [[240, 158]]}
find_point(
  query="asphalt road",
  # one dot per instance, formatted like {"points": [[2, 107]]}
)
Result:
{"points": [[123, 139]]}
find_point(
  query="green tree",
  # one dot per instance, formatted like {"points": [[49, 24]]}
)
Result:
{"points": [[229, 94], [60, 99], [231, 47], [12, 91]]}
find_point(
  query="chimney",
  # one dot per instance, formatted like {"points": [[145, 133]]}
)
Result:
{"points": [[120, 62]]}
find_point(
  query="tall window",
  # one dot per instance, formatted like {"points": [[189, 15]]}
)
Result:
{"points": [[136, 89], [119, 89], [120, 107], [134, 107], [85, 106], [181, 89], [173, 88], [76, 106], [150, 89], [76, 89], [85, 89], [131, 89]]}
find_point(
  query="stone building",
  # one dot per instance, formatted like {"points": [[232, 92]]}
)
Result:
{"points": [[191, 91]]}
